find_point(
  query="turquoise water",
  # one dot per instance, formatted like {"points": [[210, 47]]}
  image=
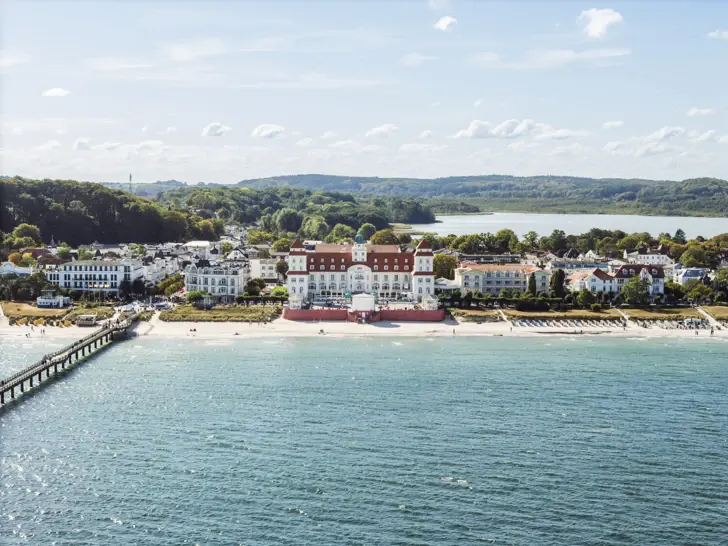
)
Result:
{"points": [[373, 441]]}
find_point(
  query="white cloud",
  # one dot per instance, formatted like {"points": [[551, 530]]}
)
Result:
{"points": [[426, 134], [82, 144], [723, 139], [108, 146], [598, 21], [145, 128], [372, 149], [55, 92], [613, 146], [549, 58], [418, 147], [305, 142], [50, 145], [655, 143], [697, 136], [149, 145], [699, 112], [718, 35], [663, 134], [571, 149], [215, 129], [612, 124], [438, 5], [350, 145], [559, 134], [167, 131], [444, 23], [415, 59], [8, 59], [477, 103], [382, 131], [329, 135], [268, 130], [194, 50], [435, 104], [113, 64], [522, 146]]}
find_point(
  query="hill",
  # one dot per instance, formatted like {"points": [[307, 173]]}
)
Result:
{"points": [[700, 196]]}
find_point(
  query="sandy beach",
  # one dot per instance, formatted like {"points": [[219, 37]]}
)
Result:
{"points": [[286, 328]]}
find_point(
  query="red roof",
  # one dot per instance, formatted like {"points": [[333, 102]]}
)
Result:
{"points": [[423, 244]]}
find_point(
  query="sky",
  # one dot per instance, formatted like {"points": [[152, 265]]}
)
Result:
{"points": [[225, 91]]}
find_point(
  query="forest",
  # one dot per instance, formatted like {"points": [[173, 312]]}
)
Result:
{"points": [[693, 197], [82, 212]]}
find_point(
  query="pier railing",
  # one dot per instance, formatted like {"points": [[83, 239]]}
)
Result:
{"points": [[63, 356]]}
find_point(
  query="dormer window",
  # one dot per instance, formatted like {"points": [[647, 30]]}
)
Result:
{"points": [[406, 268], [396, 267], [332, 260], [386, 267], [342, 260], [322, 259], [396, 260], [385, 260], [376, 267], [376, 260], [322, 267], [343, 268]]}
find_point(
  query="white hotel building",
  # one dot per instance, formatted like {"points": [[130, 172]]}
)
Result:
{"points": [[98, 276], [223, 281], [386, 271]]}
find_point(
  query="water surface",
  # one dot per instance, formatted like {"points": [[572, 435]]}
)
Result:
{"points": [[373, 441]]}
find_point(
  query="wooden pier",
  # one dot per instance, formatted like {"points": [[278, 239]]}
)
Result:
{"points": [[54, 363]]}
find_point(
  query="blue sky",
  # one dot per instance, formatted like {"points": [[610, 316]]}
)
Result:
{"points": [[222, 91]]}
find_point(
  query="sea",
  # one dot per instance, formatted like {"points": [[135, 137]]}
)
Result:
{"points": [[369, 441], [573, 224]]}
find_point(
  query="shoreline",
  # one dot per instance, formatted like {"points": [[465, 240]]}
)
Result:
{"points": [[283, 328]]}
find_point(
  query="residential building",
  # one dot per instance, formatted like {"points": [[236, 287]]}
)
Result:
{"points": [[222, 281], [387, 271], [595, 281], [199, 248], [494, 258], [688, 275], [9, 268], [648, 256], [98, 276], [48, 298], [653, 274], [35, 253], [492, 278], [574, 264], [264, 268]]}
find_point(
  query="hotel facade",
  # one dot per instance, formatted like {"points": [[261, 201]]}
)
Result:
{"points": [[491, 278], [386, 271], [223, 281], [102, 276]]}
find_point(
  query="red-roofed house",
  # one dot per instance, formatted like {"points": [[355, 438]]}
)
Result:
{"points": [[384, 270]]}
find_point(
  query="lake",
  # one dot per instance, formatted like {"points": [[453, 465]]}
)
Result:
{"points": [[544, 224], [372, 441]]}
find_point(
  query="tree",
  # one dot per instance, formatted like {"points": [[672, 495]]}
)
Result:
{"points": [[85, 254], [64, 252], [254, 286], [367, 230], [532, 284], [137, 250], [586, 298], [444, 266], [679, 237], [384, 237], [556, 283], [27, 230], [15, 258], [259, 237], [227, 248], [636, 292], [282, 268], [404, 238], [531, 239], [314, 227], [195, 295], [700, 292], [673, 291], [124, 289], [27, 260], [279, 292], [341, 232], [281, 245], [288, 220], [694, 256]]}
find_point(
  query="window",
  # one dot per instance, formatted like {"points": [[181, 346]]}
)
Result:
{"points": [[311, 268], [342, 260], [406, 268], [376, 267], [333, 267], [396, 268], [343, 268], [376, 277], [386, 267], [322, 267]]}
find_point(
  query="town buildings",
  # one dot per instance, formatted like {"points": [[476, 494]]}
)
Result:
{"points": [[222, 281], [598, 280], [595, 281], [387, 271], [492, 278], [264, 268], [99, 276], [648, 256], [9, 268], [689, 275]]}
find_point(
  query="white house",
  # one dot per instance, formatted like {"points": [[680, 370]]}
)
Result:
{"points": [[594, 281], [688, 275], [223, 281], [647, 257], [386, 271], [200, 248], [99, 276], [264, 268], [492, 278], [653, 274]]}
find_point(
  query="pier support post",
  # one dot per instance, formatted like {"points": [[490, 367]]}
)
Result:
{"points": [[55, 371], [22, 386], [2, 398], [12, 393]]}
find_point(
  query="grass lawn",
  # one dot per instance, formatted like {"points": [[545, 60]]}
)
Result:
{"points": [[253, 313], [21, 310], [476, 315], [659, 313], [100, 311], [718, 312], [571, 314]]}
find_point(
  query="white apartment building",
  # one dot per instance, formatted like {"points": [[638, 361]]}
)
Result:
{"points": [[99, 276], [264, 268], [649, 257], [222, 280], [492, 278]]}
